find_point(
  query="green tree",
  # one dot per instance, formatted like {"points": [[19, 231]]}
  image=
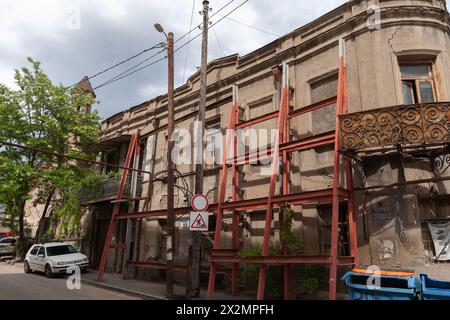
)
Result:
{"points": [[45, 116]]}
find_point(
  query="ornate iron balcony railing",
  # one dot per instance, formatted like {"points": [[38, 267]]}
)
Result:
{"points": [[108, 188], [412, 125]]}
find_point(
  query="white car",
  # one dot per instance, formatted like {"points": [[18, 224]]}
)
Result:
{"points": [[54, 258]]}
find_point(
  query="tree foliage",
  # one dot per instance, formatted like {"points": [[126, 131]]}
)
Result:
{"points": [[45, 116]]}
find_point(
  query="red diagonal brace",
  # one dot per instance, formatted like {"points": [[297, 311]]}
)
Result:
{"points": [[273, 180], [229, 145], [112, 224]]}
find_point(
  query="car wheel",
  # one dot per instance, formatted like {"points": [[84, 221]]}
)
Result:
{"points": [[26, 267], [48, 271]]}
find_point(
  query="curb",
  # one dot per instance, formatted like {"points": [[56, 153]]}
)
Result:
{"points": [[93, 283], [145, 296]]}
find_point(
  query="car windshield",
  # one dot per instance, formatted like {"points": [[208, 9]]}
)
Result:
{"points": [[60, 250]]}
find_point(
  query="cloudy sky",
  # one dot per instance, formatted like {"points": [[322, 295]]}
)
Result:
{"points": [[73, 38]]}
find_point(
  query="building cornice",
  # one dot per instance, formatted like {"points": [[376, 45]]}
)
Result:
{"points": [[268, 56]]}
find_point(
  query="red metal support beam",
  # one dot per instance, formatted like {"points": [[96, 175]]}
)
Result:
{"points": [[306, 197], [292, 114], [229, 143], [284, 259], [336, 177], [235, 196], [273, 180], [291, 146], [177, 267], [286, 187], [353, 236], [115, 213], [249, 123]]}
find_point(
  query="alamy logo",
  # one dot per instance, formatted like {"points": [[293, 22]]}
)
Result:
{"points": [[253, 146], [374, 19], [73, 18], [74, 280], [374, 281]]}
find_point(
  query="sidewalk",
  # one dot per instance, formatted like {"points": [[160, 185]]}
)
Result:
{"points": [[148, 289]]}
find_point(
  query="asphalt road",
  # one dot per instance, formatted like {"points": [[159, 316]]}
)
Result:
{"points": [[16, 285]]}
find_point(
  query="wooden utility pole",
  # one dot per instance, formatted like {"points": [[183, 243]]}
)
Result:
{"points": [[170, 175], [197, 236]]}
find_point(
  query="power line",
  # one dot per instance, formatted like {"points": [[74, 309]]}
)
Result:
{"points": [[198, 35], [159, 45], [187, 49], [199, 25], [60, 155], [125, 74], [119, 76], [250, 26], [218, 41]]}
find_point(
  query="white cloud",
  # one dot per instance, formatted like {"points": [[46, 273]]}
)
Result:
{"points": [[113, 30]]}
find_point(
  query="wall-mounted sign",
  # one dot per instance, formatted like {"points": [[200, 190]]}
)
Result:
{"points": [[441, 239]]}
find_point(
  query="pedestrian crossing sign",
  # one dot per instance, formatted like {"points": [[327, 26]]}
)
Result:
{"points": [[198, 221]]}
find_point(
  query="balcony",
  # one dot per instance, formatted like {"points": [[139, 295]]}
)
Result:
{"points": [[107, 189], [412, 126]]}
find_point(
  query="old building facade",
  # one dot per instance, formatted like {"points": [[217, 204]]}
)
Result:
{"points": [[397, 53]]}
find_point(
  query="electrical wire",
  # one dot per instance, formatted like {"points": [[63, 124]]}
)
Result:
{"points": [[250, 26], [187, 49], [130, 70], [159, 45], [125, 74], [218, 21], [218, 41], [200, 25], [156, 46]]}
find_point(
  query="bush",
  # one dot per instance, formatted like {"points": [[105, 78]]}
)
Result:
{"points": [[250, 273]]}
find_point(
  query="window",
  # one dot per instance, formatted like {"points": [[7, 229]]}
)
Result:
{"points": [[324, 119], [41, 251], [213, 138], [417, 83], [325, 213], [8, 240], [34, 250], [60, 250], [112, 157]]}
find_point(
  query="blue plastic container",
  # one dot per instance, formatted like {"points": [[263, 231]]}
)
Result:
{"points": [[391, 287], [434, 289]]}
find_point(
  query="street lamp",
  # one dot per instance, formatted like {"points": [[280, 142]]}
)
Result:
{"points": [[170, 175], [160, 29]]}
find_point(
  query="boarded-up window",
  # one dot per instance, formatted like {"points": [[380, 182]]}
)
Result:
{"points": [[324, 119]]}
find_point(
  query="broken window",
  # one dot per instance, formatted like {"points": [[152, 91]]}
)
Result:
{"points": [[417, 83]]}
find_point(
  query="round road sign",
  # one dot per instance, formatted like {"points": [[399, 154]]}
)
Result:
{"points": [[200, 203]]}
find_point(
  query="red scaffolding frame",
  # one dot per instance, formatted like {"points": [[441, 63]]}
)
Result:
{"points": [[283, 148]]}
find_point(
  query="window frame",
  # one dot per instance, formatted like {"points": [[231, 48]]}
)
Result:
{"points": [[211, 124], [39, 251], [417, 80]]}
